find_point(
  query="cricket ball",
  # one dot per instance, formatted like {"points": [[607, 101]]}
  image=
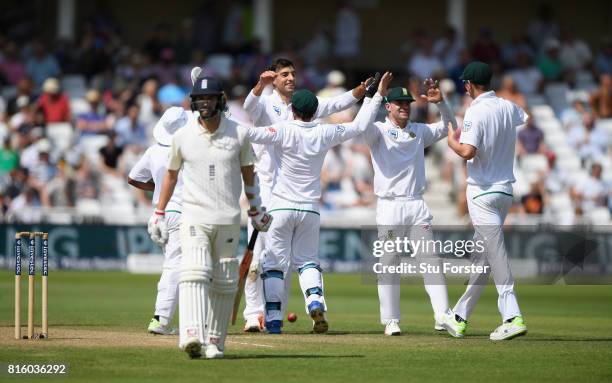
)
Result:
{"points": [[291, 317]]}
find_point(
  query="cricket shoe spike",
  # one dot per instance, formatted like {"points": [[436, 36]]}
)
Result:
{"points": [[157, 328], [274, 326], [193, 348], [254, 324], [213, 352], [510, 330], [317, 313], [392, 328]]}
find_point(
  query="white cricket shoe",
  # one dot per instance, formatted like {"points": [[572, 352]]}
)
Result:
{"points": [[392, 328], [213, 352], [439, 326], [254, 324], [454, 327], [193, 348], [509, 330]]}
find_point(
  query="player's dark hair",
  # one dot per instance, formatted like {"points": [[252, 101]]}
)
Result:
{"points": [[280, 64], [302, 116], [482, 88]]}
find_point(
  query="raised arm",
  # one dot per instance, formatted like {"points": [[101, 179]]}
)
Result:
{"points": [[439, 130], [364, 119], [253, 104], [331, 105]]}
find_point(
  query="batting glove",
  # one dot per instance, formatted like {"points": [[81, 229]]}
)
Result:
{"points": [[260, 219], [372, 85], [157, 228]]}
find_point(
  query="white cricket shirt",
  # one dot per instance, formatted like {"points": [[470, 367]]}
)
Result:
{"points": [[490, 126], [300, 149], [211, 166], [267, 110], [152, 165]]}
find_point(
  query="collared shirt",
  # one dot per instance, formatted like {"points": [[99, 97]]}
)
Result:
{"points": [[490, 125], [270, 109], [211, 165], [398, 156], [152, 165]]}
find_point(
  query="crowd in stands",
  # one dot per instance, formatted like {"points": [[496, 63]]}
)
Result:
{"points": [[74, 117]]}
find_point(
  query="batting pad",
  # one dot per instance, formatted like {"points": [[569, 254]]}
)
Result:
{"points": [[221, 300], [193, 285], [311, 282]]}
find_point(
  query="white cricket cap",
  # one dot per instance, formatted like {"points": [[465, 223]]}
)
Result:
{"points": [[335, 78], [172, 120]]}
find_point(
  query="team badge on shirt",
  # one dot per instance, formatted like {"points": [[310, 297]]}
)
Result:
{"points": [[340, 129], [393, 133], [467, 125], [271, 130], [277, 110]]}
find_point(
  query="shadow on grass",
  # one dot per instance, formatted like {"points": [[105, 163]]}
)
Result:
{"points": [[287, 356]]}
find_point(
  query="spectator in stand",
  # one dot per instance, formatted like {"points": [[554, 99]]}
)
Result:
{"points": [[485, 48], [185, 43], [603, 62], [318, 48], [549, 62], [12, 67], [449, 47], [348, 37], [590, 141], [160, 41], [510, 51], [236, 102], [23, 115], [53, 102], [527, 76], [601, 100], [533, 202], [41, 65], [109, 156], [543, 27], [25, 87], [9, 159], [575, 54], [150, 108], [86, 181], [573, 115], [424, 64], [590, 192], [530, 140], [166, 71], [554, 180], [25, 208], [455, 73], [509, 91], [60, 189], [94, 121], [130, 131]]}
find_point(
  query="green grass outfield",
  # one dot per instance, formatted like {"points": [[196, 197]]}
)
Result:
{"points": [[98, 320]]}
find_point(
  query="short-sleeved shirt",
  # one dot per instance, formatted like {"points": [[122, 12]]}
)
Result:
{"points": [[490, 125], [152, 166], [211, 165]]}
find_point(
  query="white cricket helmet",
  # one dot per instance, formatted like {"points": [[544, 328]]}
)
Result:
{"points": [[172, 120]]}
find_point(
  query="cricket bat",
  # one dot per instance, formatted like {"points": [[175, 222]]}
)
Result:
{"points": [[243, 273]]}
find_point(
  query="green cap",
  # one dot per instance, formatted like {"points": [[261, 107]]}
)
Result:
{"points": [[305, 102], [478, 73], [399, 94]]}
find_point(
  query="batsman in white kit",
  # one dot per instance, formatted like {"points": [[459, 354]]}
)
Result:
{"points": [[488, 143], [148, 174], [398, 147], [214, 155], [265, 110], [299, 148]]}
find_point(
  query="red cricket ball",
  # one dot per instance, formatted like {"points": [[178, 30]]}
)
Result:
{"points": [[291, 317]]}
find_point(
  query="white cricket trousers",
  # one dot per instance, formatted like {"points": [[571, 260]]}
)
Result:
{"points": [[167, 287], [488, 208], [406, 217], [253, 287], [292, 241]]}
